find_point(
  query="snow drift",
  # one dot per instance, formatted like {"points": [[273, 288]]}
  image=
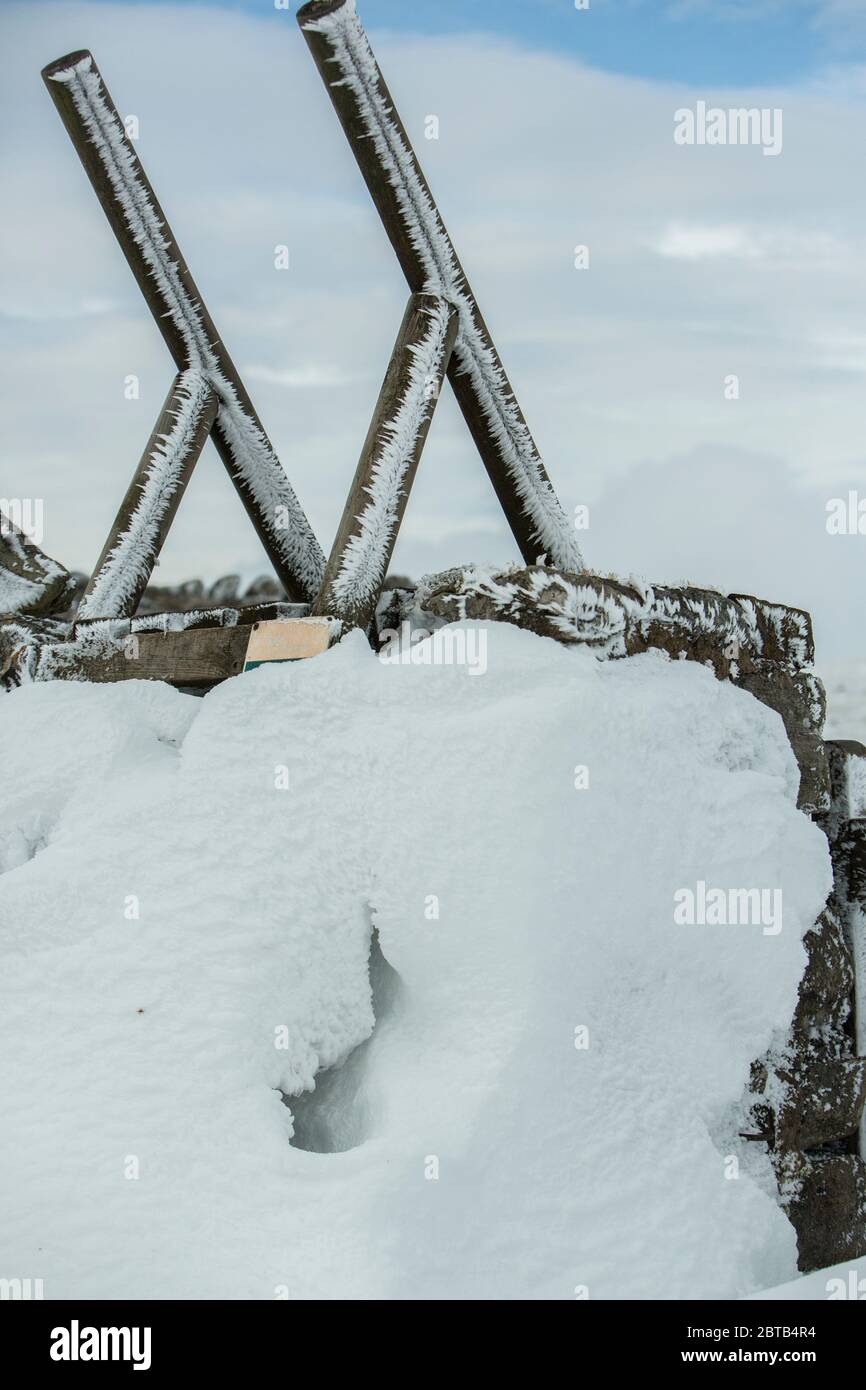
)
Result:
{"points": [[528, 1088]]}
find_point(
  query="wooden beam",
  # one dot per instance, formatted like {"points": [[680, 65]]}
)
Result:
{"points": [[124, 568], [179, 620], [139, 223], [359, 559], [274, 643], [402, 196], [197, 657]]}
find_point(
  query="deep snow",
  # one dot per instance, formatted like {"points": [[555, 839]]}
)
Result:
{"points": [[150, 1040], [836, 1284]]}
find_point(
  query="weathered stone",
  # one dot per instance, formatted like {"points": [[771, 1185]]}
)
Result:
{"points": [[825, 1198], [570, 608], [799, 699], [696, 625], [826, 996], [30, 582], [224, 590], [857, 863], [611, 617], [822, 1102], [785, 633], [191, 594], [395, 607], [849, 867], [20, 641], [814, 701]]}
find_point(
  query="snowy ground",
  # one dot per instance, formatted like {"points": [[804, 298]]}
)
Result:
{"points": [[184, 935], [838, 1284]]}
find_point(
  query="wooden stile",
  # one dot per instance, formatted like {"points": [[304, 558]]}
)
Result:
{"points": [[442, 332]]}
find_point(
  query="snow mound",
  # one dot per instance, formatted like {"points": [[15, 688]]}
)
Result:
{"points": [[837, 1283], [188, 893]]}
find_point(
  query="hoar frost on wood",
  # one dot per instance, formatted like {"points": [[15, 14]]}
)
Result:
{"points": [[430, 263], [95, 126], [363, 565], [365, 541], [124, 569]]}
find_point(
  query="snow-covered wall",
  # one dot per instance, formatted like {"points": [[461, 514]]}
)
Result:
{"points": [[540, 1097]]}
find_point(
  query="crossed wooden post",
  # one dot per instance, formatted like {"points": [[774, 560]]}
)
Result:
{"points": [[442, 331], [137, 220], [385, 156]]}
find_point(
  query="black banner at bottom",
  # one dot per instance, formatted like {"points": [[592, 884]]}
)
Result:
{"points": [[166, 1338]]}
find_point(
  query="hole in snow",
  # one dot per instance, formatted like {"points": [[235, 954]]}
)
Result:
{"points": [[21, 843], [336, 1116]]}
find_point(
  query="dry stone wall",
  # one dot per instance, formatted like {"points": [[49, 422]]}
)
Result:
{"points": [[805, 1100]]}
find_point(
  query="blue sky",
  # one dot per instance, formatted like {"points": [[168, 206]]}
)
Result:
{"points": [[712, 41]]}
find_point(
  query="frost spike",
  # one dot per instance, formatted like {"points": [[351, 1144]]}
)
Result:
{"points": [[139, 223], [124, 568], [364, 106], [361, 553]]}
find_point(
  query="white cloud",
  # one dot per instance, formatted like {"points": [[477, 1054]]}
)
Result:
{"points": [[846, 14], [704, 262], [297, 378], [841, 13], [684, 241]]}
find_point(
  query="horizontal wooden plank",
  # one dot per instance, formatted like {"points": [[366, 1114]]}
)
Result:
{"points": [[292, 641], [197, 657], [182, 619]]}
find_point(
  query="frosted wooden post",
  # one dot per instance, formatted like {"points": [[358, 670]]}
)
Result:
{"points": [[389, 460], [138, 222], [379, 142], [147, 511]]}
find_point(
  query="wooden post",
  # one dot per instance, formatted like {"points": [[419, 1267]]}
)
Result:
{"points": [[148, 509], [379, 142], [137, 220], [361, 553]]}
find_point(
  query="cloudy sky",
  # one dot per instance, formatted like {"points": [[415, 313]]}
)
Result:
{"points": [[555, 130]]}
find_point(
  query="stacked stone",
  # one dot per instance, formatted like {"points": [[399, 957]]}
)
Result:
{"points": [[806, 1099], [821, 1127]]}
